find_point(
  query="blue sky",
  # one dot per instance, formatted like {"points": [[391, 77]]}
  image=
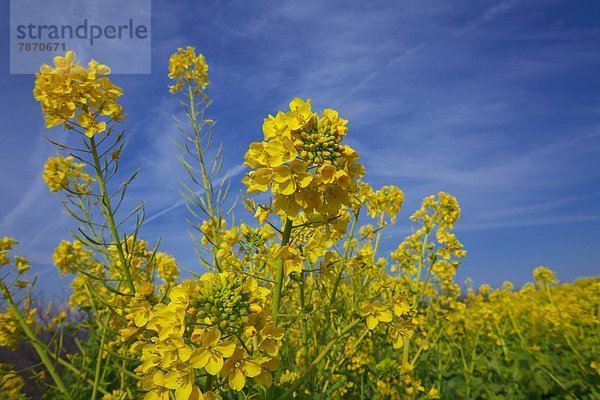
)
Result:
{"points": [[496, 102]]}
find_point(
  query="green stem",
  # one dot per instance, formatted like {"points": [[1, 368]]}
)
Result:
{"points": [[109, 214], [206, 181], [578, 357], [421, 265], [417, 294], [343, 358], [304, 321], [378, 237], [525, 347], [205, 178], [345, 258], [98, 365], [37, 345], [76, 371], [405, 351], [285, 239], [316, 361]]}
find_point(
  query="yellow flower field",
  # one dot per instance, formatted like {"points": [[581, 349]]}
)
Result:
{"points": [[295, 298]]}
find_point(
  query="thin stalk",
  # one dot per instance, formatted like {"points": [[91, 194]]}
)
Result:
{"points": [[206, 181], [421, 266], [405, 351], [76, 371], [417, 294], [378, 237], [345, 258], [108, 212], [339, 363], [37, 345], [285, 239], [196, 128], [98, 365], [304, 321], [288, 393], [578, 357]]}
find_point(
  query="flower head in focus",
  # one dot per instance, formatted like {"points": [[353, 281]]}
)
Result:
{"points": [[186, 66], [73, 95], [303, 162]]}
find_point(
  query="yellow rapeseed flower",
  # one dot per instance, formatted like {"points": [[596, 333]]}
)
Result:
{"points": [[61, 173], [211, 352], [11, 383], [303, 163], [186, 66], [238, 368], [376, 312], [73, 95], [72, 257]]}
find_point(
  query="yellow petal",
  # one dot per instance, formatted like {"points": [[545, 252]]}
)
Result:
{"points": [[266, 378], [199, 358], [237, 380], [305, 180], [401, 308], [214, 365], [171, 380], [398, 342], [251, 369], [287, 188], [385, 316], [183, 392], [184, 353], [226, 348], [158, 378], [211, 337], [372, 322]]}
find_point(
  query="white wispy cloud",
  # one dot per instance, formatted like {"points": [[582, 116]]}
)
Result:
{"points": [[460, 97]]}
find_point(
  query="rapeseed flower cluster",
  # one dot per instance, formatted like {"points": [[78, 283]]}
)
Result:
{"points": [[385, 201], [429, 258], [187, 67], [96, 281], [10, 332], [73, 95], [542, 327], [62, 173], [303, 162], [11, 383], [218, 324], [73, 257], [6, 245]]}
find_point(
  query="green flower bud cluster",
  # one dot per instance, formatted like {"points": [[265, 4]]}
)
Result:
{"points": [[321, 145], [224, 302]]}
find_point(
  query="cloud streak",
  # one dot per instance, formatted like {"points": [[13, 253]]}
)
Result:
{"points": [[495, 103]]}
